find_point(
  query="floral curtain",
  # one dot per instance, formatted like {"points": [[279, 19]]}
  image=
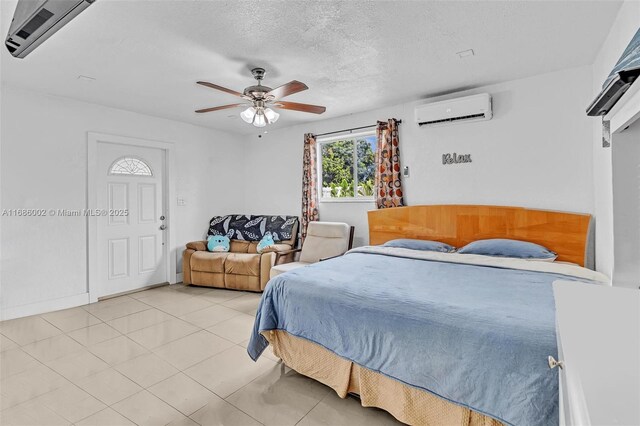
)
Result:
{"points": [[309, 184], [388, 171]]}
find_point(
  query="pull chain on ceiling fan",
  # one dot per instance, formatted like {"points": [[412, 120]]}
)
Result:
{"points": [[262, 98]]}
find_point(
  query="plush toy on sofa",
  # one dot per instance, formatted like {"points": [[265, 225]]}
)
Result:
{"points": [[265, 243], [218, 243]]}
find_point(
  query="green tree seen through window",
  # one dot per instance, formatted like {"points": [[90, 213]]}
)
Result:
{"points": [[339, 173]]}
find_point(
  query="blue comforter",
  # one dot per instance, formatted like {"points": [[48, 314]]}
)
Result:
{"points": [[477, 336]]}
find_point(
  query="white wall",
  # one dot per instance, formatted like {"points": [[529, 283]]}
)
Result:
{"points": [[44, 165], [623, 29], [538, 151], [535, 152]]}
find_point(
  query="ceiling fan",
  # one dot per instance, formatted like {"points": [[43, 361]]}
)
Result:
{"points": [[260, 99]]}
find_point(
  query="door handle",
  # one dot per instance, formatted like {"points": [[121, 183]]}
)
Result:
{"points": [[553, 363], [163, 227]]}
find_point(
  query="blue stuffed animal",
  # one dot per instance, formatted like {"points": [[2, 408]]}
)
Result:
{"points": [[266, 242], [218, 243]]}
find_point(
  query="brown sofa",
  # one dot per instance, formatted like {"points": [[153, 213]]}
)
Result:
{"points": [[241, 268]]}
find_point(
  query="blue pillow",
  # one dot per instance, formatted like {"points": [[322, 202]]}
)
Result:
{"points": [[218, 243], [509, 248], [425, 245], [265, 243]]}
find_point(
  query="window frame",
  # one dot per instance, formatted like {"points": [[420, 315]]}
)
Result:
{"points": [[328, 140], [130, 157]]}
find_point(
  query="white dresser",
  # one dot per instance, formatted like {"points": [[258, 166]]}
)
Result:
{"points": [[598, 330]]}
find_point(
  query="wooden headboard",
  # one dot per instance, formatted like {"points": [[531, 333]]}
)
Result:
{"points": [[565, 233]]}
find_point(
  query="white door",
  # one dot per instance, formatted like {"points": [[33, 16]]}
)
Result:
{"points": [[132, 227]]}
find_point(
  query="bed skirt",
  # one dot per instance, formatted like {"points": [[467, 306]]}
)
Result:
{"points": [[407, 404]]}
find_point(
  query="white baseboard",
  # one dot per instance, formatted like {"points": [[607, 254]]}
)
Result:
{"points": [[179, 277], [126, 293], [43, 307]]}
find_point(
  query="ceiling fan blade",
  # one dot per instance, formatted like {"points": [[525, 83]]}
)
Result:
{"points": [[315, 109], [223, 89], [287, 89], [219, 108]]}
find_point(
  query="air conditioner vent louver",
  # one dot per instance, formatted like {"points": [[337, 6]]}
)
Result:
{"points": [[452, 119], [459, 110], [36, 22]]}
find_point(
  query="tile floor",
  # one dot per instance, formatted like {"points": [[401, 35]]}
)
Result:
{"points": [[174, 355]]}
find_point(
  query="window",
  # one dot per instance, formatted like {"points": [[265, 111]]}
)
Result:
{"points": [[130, 166], [347, 167]]}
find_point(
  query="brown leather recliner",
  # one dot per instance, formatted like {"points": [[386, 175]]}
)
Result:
{"points": [[241, 268]]}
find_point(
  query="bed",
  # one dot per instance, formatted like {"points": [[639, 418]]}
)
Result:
{"points": [[433, 338]]}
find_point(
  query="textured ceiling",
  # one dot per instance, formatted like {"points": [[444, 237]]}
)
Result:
{"points": [[354, 55]]}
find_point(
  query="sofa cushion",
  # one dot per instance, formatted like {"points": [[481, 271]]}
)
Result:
{"points": [[242, 264], [279, 247], [242, 282], [209, 279], [205, 261], [239, 246], [197, 245]]}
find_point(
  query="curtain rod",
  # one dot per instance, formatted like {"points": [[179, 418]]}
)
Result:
{"points": [[350, 130]]}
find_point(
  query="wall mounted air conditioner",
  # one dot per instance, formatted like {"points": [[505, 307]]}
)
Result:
{"points": [[34, 21], [459, 110]]}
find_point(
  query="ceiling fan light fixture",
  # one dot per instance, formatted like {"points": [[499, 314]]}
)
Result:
{"points": [[271, 115], [260, 120], [248, 114], [260, 98]]}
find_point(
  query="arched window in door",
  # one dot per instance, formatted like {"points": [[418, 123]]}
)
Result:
{"points": [[130, 166]]}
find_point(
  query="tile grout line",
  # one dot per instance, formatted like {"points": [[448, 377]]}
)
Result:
{"points": [[122, 414], [43, 365], [231, 403], [159, 308], [152, 351], [82, 390], [65, 332], [317, 403], [244, 386], [152, 325]]}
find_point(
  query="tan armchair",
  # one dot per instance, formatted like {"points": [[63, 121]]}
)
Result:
{"points": [[241, 268], [324, 241]]}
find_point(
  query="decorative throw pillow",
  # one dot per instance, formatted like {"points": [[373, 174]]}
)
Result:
{"points": [[265, 243], [218, 243], [425, 245], [500, 247]]}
